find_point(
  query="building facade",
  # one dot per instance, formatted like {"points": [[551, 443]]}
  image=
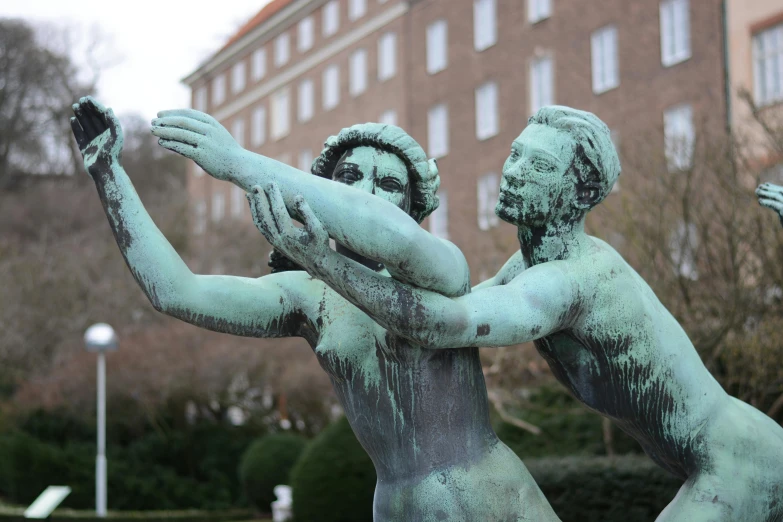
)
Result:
{"points": [[462, 77]]}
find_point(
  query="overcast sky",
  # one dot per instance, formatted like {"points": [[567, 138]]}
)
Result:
{"points": [[154, 44]]}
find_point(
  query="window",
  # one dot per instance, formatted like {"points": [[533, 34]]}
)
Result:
{"points": [[358, 82], [219, 90], [258, 126], [197, 171], [306, 95], [331, 18], [356, 9], [282, 49], [675, 32], [305, 160], [487, 192], [439, 219], [485, 32], [387, 56], [541, 84], [437, 46], [259, 64], [768, 66], [604, 55], [218, 206], [200, 99], [238, 131], [304, 33], [237, 201], [285, 158], [486, 111], [388, 117], [238, 77], [538, 10], [679, 137], [331, 87], [281, 123], [200, 217], [438, 131], [683, 244]]}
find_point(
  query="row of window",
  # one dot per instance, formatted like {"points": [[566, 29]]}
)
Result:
{"points": [[305, 30]]}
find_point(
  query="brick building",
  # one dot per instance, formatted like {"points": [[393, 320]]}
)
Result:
{"points": [[462, 77]]}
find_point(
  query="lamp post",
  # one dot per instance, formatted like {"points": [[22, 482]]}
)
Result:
{"points": [[100, 338]]}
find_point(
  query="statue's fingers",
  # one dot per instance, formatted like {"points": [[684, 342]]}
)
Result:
{"points": [[189, 113], [775, 205], [180, 135], [310, 221], [278, 208], [97, 113], [181, 122], [78, 133], [85, 121], [265, 214], [183, 149], [770, 193], [255, 212]]}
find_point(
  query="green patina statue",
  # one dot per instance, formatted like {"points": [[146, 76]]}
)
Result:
{"points": [[422, 415], [771, 196], [600, 327]]}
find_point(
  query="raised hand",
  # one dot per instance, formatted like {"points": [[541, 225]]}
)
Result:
{"points": [[98, 134], [771, 196], [199, 137], [307, 246]]}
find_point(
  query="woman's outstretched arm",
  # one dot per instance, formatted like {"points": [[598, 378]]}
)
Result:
{"points": [[272, 306], [366, 224]]}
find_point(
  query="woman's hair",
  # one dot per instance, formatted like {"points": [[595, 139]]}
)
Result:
{"points": [[423, 173], [596, 155]]}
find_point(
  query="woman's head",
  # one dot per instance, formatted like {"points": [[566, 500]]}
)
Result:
{"points": [[385, 160]]}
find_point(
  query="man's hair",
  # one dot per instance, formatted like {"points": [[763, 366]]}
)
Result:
{"points": [[595, 154]]}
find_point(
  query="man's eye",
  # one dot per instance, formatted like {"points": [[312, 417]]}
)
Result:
{"points": [[543, 165], [348, 176], [391, 185], [514, 155]]}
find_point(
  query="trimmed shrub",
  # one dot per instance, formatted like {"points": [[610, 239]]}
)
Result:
{"points": [[601, 489], [334, 479], [266, 464]]}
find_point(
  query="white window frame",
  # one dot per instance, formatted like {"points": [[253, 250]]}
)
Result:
{"points": [[281, 113], [237, 201], [487, 192], [487, 118], [675, 31], [538, 10], [282, 49], [437, 46], [258, 126], [388, 117], [684, 243], [358, 72], [200, 99], [218, 206], [387, 56], [199, 217], [305, 160], [485, 24], [258, 64], [356, 9], [305, 34], [330, 86], [238, 77], [330, 18], [768, 66], [679, 137], [305, 100], [218, 90], [439, 219], [238, 131], [605, 59], [438, 131], [542, 82]]}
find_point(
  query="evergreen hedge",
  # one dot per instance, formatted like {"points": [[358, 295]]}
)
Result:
{"points": [[266, 464]]}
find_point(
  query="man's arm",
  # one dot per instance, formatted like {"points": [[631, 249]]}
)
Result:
{"points": [[271, 306], [512, 268], [771, 196], [536, 303], [366, 224]]}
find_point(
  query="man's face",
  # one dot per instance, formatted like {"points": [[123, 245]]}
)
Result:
{"points": [[538, 183], [377, 172]]}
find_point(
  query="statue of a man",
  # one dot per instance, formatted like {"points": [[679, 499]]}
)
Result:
{"points": [[421, 415], [771, 196], [600, 327]]}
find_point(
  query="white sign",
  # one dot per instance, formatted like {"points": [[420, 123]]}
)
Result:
{"points": [[47, 502]]}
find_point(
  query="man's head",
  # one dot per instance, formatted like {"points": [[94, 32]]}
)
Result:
{"points": [[563, 164]]}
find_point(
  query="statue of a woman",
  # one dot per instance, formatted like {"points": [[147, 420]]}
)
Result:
{"points": [[421, 415]]}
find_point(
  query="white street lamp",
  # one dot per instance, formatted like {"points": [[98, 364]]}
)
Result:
{"points": [[100, 338]]}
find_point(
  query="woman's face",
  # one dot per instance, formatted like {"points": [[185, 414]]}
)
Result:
{"points": [[377, 172]]}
